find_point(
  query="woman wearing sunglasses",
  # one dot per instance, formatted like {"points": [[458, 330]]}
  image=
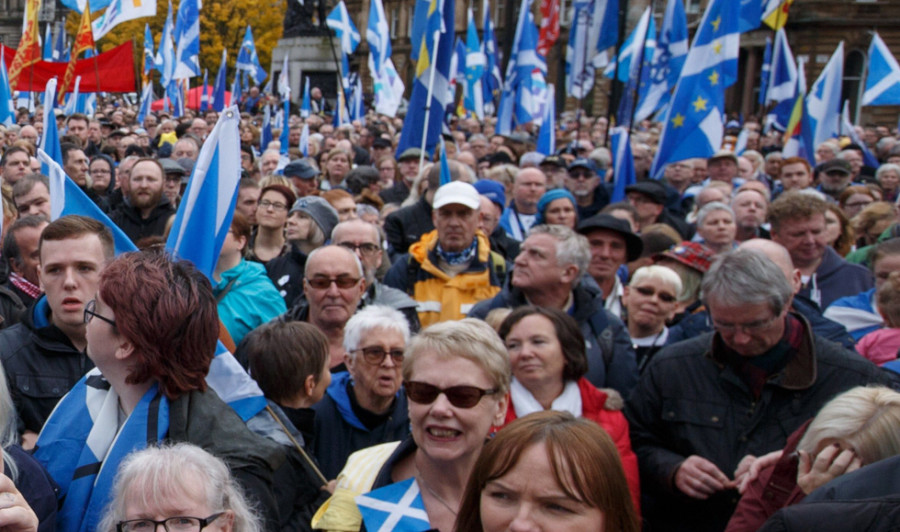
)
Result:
{"points": [[547, 352], [456, 375], [650, 300]]}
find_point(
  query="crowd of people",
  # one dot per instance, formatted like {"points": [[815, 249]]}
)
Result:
{"points": [[519, 348]]}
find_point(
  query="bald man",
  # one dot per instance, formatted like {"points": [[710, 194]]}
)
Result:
{"points": [[520, 215], [821, 326]]}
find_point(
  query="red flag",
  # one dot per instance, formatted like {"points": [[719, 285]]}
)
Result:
{"points": [[84, 40], [29, 50], [549, 26], [115, 68]]}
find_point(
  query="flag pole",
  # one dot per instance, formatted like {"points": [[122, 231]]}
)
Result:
{"points": [[612, 84], [339, 67], [433, 62], [640, 72]]}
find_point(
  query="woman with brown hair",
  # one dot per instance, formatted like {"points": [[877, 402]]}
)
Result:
{"points": [[582, 485]]}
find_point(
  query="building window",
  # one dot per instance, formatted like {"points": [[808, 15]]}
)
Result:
{"points": [[395, 21], [854, 64], [692, 7], [411, 12]]}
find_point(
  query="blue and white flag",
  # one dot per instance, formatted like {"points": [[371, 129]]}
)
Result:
{"points": [[218, 96], [492, 80], [285, 128], [751, 15], [823, 103], [284, 80], [72, 99], [78, 5], [397, 508], [798, 136], [623, 163], [765, 72], [149, 56], [883, 79], [146, 100], [446, 176], [623, 65], [50, 138], [205, 211], [235, 89], [848, 130], [304, 140], [546, 141], [305, 107], [339, 20], [47, 53], [694, 125], [248, 60], [475, 64], [642, 50], [782, 83], [187, 37], [458, 65], [7, 109], [525, 89], [671, 52], [431, 86], [265, 136], [121, 11], [175, 94], [387, 85], [596, 28], [204, 94], [165, 57], [61, 48]]}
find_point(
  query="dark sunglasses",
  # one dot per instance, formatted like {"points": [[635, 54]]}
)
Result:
{"points": [[648, 292], [459, 396], [323, 283], [375, 354]]}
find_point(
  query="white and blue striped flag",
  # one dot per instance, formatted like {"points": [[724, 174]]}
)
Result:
{"points": [[187, 37], [165, 57], [671, 52], [823, 103], [387, 85], [475, 65], [546, 141], [782, 84], [339, 20], [883, 80], [493, 79], [248, 60]]}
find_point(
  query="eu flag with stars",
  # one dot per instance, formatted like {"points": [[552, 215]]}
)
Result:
{"points": [[694, 125]]}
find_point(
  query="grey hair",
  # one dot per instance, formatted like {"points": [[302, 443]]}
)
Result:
{"points": [[746, 277], [711, 207], [373, 317], [158, 474], [359, 266], [571, 247], [887, 167], [365, 208]]}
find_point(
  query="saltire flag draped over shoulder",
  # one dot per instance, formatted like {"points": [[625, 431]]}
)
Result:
{"points": [[883, 79], [121, 11], [431, 86], [248, 60], [475, 63], [595, 28], [339, 20], [775, 13], [668, 59], [782, 83], [694, 124], [187, 38], [492, 80], [29, 50], [525, 89], [149, 56], [549, 26], [7, 107], [623, 163], [823, 103], [387, 85], [84, 40], [218, 96]]}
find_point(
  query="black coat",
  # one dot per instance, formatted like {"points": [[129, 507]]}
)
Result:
{"points": [[130, 222], [406, 226]]}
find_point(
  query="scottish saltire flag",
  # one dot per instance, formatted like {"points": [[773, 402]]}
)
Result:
{"points": [[47, 53], [305, 107], [643, 48], [60, 48], [247, 59], [782, 83], [121, 11], [265, 136], [457, 64], [72, 99], [387, 85], [396, 508], [694, 124], [339, 20], [235, 89], [798, 136], [165, 57], [668, 59], [218, 95], [304, 140], [357, 110], [751, 15], [823, 103], [525, 90], [475, 63], [596, 24], [187, 38], [765, 72], [775, 13], [284, 80], [7, 109], [175, 93], [146, 100], [623, 65], [740, 145], [848, 130], [50, 138], [285, 129], [149, 56], [204, 95], [492, 80], [546, 141], [431, 86], [623, 163], [883, 79]]}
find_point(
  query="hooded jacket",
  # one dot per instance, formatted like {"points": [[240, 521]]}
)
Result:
{"points": [[836, 278], [247, 299]]}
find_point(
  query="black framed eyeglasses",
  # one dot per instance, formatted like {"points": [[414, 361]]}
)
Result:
{"points": [[375, 354], [459, 396], [90, 312], [172, 524], [366, 248]]}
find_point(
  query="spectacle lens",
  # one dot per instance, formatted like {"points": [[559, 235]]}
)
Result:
{"points": [[459, 396]]}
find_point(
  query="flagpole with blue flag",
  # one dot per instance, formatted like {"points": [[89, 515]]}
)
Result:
{"points": [[340, 22], [823, 103], [386, 82], [694, 125], [305, 107], [668, 60], [848, 130], [492, 80], [883, 77], [187, 37], [47, 53], [475, 63], [204, 95], [782, 84], [50, 138], [265, 136], [165, 57], [146, 100], [546, 142], [765, 73], [284, 87], [7, 108], [218, 96], [624, 173], [149, 57], [248, 60], [446, 176]]}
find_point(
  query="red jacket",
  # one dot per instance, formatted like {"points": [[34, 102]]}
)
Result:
{"points": [[614, 423]]}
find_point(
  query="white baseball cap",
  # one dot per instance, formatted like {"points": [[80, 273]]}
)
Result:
{"points": [[456, 192]]}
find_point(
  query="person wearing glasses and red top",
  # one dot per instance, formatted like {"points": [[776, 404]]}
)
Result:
{"points": [[363, 406], [456, 377]]}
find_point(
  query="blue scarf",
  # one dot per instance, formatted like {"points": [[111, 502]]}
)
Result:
{"points": [[455, 258]]}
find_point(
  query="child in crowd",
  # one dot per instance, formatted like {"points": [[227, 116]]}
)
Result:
{"points": [[882, 345]]}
